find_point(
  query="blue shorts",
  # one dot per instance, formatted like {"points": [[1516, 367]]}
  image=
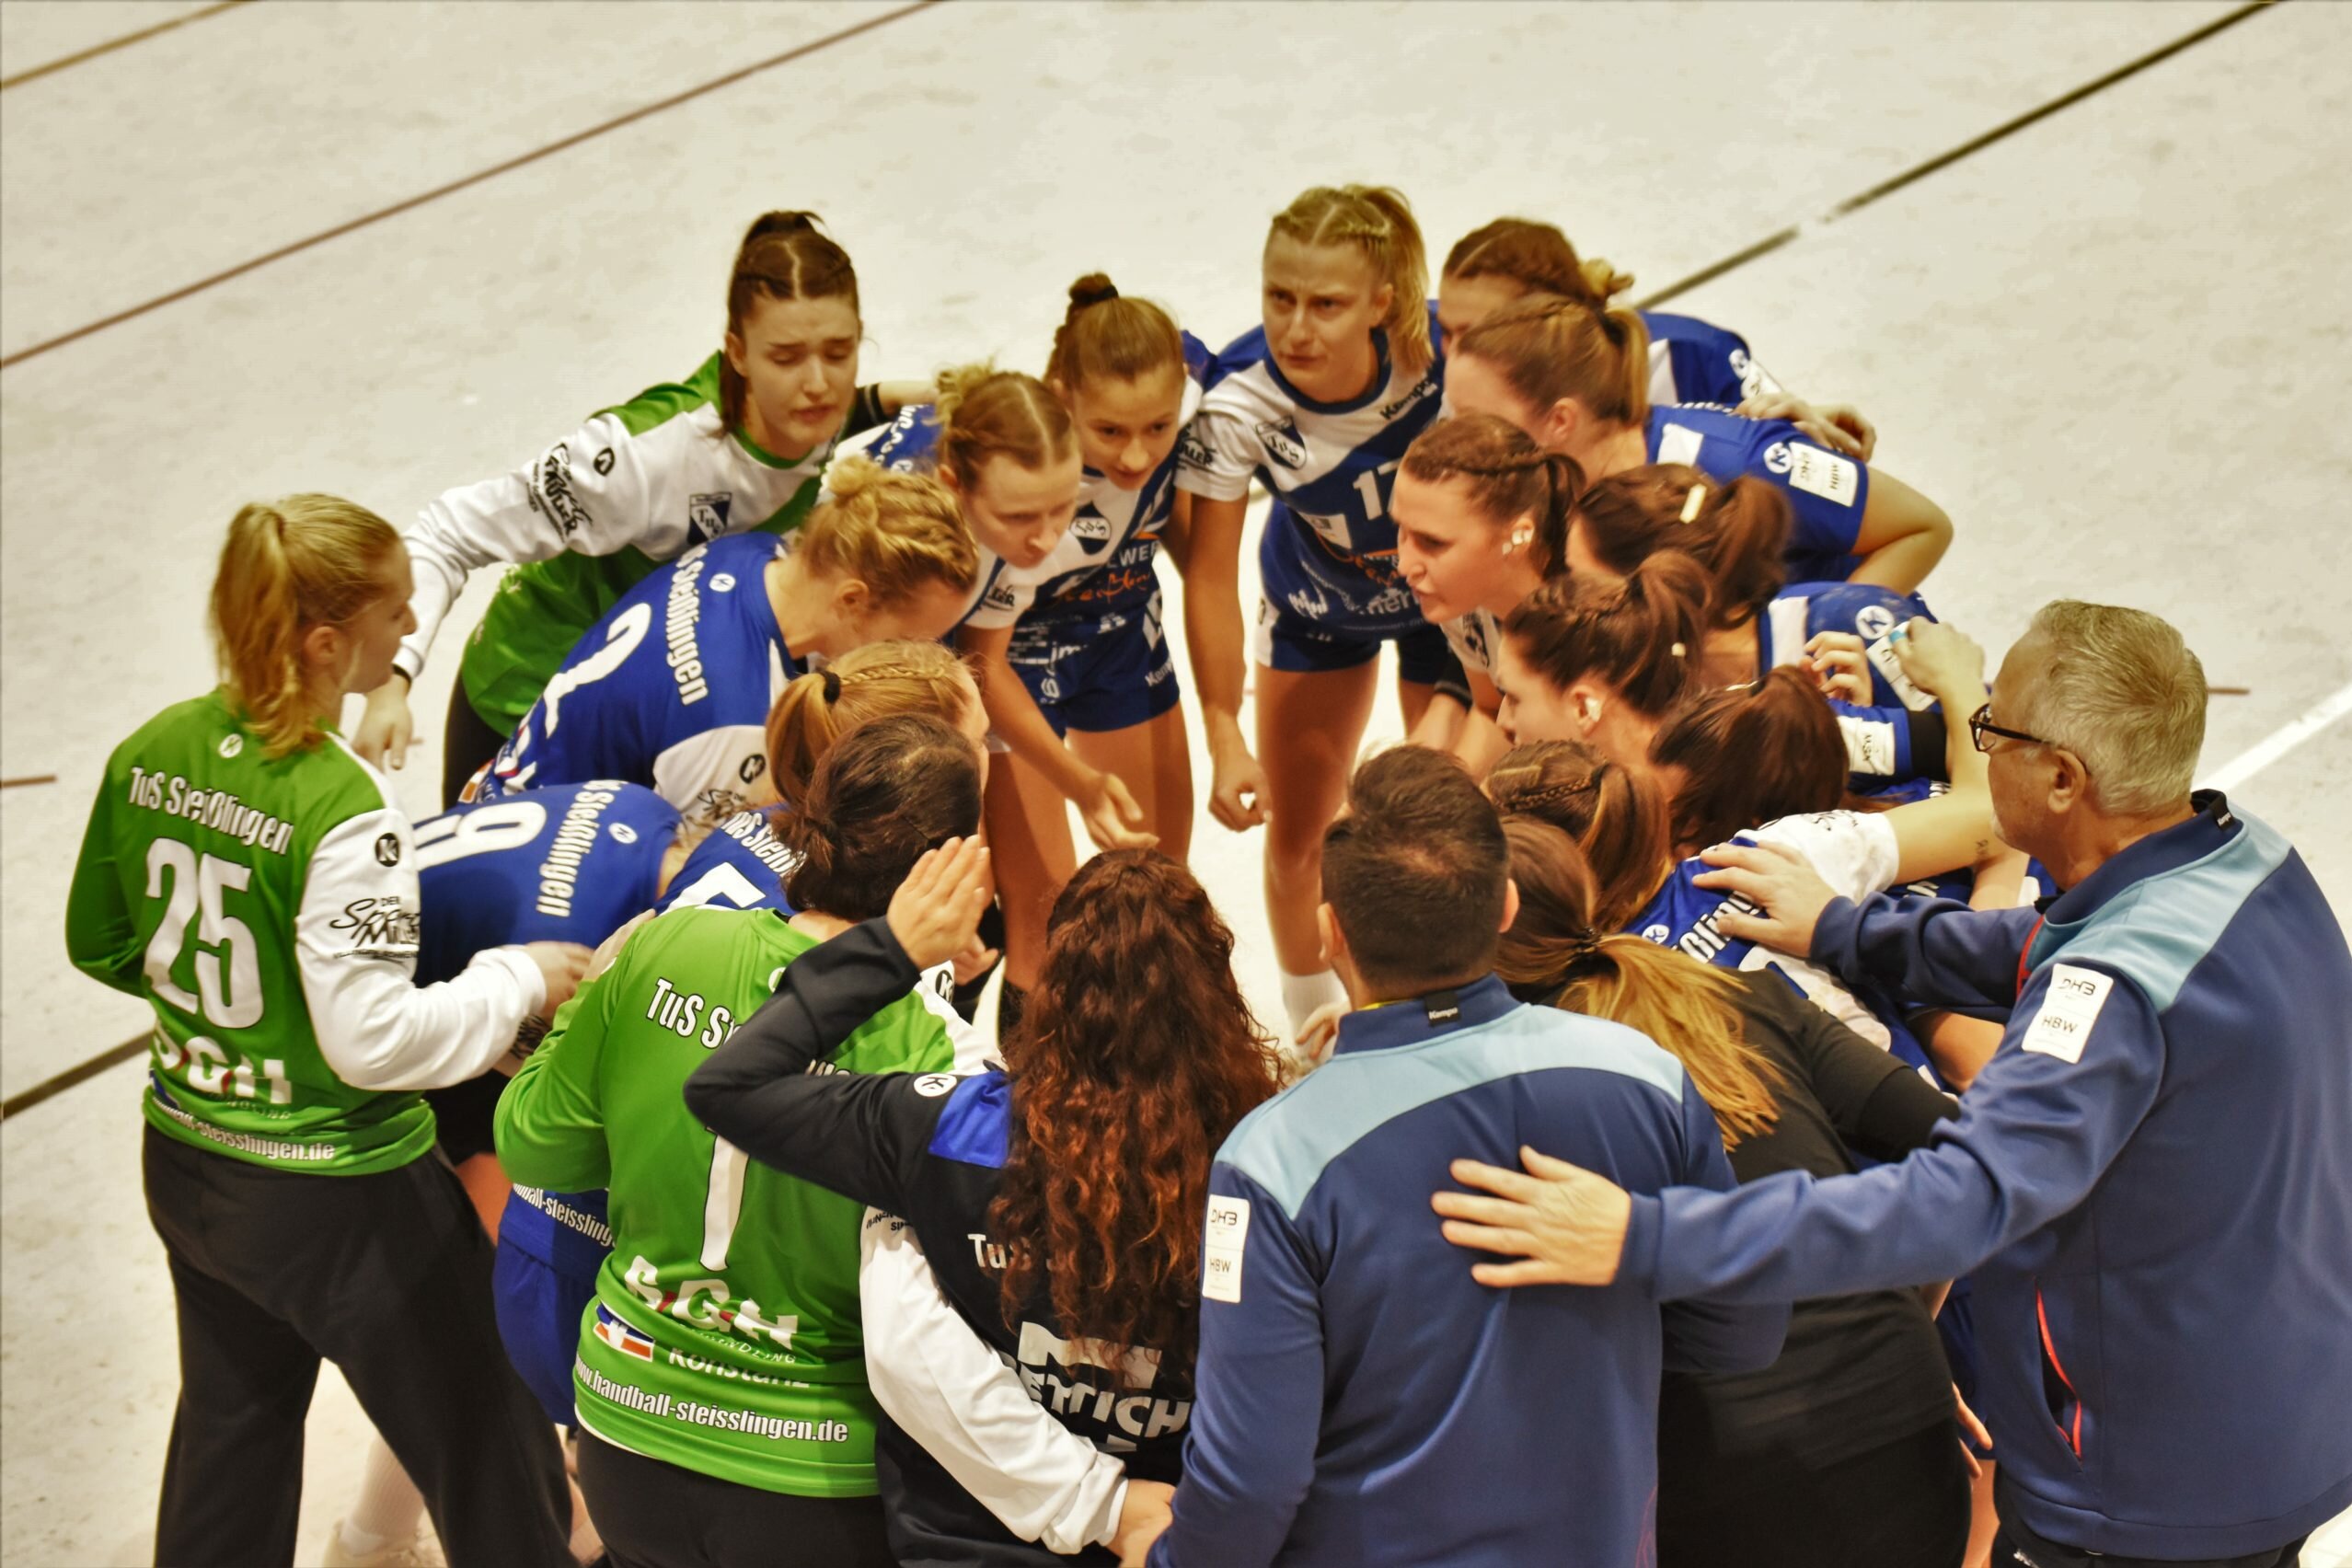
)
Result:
{"points": [[1096, 673], [1325, 610], [540, 1303]]}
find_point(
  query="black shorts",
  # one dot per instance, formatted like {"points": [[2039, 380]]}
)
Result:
{"points": [[463, 1115]]}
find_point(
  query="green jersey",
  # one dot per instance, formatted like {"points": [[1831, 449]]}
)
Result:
{"points": [[268, 910], [588, 520], [725, 1335]]}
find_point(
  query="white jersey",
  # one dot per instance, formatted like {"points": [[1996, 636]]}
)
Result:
{"points": [[658, 474], [1473, 638]]}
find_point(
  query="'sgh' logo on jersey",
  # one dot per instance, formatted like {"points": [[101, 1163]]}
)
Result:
{"points": [[1283, 442], [388, 850], [1093, 529]]}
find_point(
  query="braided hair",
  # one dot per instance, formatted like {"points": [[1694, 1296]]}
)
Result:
{"points": [[1509, 476]]}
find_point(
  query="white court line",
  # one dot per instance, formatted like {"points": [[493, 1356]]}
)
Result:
{"points": [[2279, 742]]}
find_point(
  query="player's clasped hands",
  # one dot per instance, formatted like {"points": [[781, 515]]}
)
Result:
{"points": [[935, 914]]}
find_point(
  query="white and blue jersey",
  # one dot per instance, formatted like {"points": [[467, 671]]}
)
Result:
{"points": [[670, 689], [1328, 557], [1827, 493], [1803, 610], [1697, 362], [571, 863], [741, 864]]}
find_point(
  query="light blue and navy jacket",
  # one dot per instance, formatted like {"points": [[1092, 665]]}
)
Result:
{"points": [[1362, 1399], [2151, 1179]]}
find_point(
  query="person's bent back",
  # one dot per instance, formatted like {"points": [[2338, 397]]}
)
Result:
{"points": [[1362, 1399]]}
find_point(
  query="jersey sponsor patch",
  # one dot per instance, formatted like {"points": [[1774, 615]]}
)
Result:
{"points": [[1228, 1234], [1817, 472], [2069, 1010], [619, 1335], [1870, 745], [1890, 668]]}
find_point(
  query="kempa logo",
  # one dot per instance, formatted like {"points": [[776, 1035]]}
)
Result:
{"points": [[232, 744], [1874, 621], [622, 833], [388, 850], [1779, 458], [722, 582], [604, 463], [930, 1086], [1283, 442]]}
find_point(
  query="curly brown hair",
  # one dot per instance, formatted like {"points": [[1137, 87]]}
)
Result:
{"points": [[1137, 1056]]}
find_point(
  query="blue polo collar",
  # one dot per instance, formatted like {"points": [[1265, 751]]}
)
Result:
{"points": [[2214, 826], [1415, 1018]]}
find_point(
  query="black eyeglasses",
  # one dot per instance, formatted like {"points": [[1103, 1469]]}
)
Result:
{"points": [[1980, 724]]}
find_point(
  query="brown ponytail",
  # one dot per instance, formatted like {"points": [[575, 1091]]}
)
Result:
{"points": [[1752, 754], [1378, 221], [863, 685], [1553, 947], [1551, 350], [783, 256], [984, 412], [1106, 335], [1509, 476], [1738, 531], [1617, 816], [885, 792], [288, 566], [1641, 637], [1538, 258]]}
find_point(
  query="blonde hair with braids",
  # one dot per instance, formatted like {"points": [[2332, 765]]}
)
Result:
{"points": [[863, 685], [289, 565], [1684, 1006], [1376, 220], [896, 532], [1617, 818], [986, 412], [1509, 477]]}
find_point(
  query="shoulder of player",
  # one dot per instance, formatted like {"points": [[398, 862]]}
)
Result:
{"points": [[665, 401]]}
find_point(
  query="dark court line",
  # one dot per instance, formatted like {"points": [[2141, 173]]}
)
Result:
{"points": [[125, 41], [412, 204], [80, 1072], [2008, 128], [28, 778]]}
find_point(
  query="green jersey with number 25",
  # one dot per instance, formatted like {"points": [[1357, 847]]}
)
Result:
{"points": [[725, 1335]]}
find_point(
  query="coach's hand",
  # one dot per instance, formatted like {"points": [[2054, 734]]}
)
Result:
{"points": [[1565, 1224], [936, 912], [1776, 879]]}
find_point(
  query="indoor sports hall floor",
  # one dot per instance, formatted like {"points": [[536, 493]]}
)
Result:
{"points": [[384, 249]]}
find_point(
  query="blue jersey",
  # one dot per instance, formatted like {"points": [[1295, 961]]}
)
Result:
{"points": [[572, 863], [1328, 553], [1827, 493], [1803, 610], [1697, 362], [740, 865], [670, 689]]}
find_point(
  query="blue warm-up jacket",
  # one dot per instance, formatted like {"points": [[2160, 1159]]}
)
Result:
{"points": [[1361, 1402], [2152, 1180]]}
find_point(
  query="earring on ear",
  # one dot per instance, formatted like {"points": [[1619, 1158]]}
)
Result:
{"points": [[1521, 536]]}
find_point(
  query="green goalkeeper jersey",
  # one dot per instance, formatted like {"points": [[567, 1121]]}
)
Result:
{"points": [[267, 908], [588, 520], [725, 1335]]}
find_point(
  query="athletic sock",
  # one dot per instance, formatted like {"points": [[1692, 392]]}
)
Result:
{"points": [[1303, 994], [389, 1505]]}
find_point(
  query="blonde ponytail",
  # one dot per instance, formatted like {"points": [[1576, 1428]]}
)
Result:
{"points": [[1550, 348], [865, 684], [288, 566], [896, 532]]}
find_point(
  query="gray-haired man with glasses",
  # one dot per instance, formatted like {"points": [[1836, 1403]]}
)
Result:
{"points": [[2151, 1179]]}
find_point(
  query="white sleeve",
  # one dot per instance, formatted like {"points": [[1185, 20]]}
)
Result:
{"points": [[955, 1396], [356, 941], [1216, 456], [1853, 851], [591, 492], [974, 1052], [1008, 598], [708, 777]]}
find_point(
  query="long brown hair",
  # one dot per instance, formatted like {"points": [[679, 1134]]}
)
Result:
{"points": [[1641, 637], [1554, 948], [783, 256], [1137, 1056], [1616, 817], [1737, 529], [886, 791], [1751, 754], [1109, 336], [984, 412], [1509, 476], [1538, 258]]}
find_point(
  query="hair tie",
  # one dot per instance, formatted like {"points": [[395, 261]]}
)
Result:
{"points": [[833, 682], [1678, 650], [1692, 502]]}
